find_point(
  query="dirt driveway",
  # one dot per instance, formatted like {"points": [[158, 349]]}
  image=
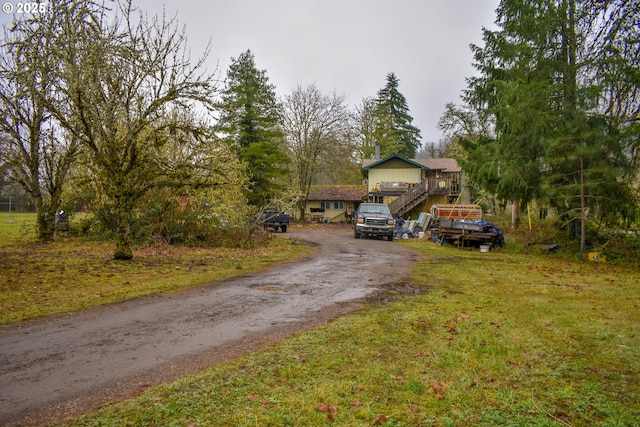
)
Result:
{"points": [[59, 367]]}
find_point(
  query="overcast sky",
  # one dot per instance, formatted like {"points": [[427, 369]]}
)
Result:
{"points": [[346, 46]]}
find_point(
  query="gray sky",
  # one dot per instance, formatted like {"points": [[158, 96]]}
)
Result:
{"points": [[346, 46]]}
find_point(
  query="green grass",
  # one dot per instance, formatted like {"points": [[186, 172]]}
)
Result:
{"points": [[72, 273], [16, 228], [497, 339]]}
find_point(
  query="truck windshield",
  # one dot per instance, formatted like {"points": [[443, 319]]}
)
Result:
{"points": [[375, 210]]}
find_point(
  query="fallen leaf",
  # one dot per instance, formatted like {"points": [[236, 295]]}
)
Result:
{"points": [[439, 389], [380, 419], [325, 407]]}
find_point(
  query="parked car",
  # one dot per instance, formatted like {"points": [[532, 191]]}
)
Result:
{"points": [[373, 219], [271, 217]]}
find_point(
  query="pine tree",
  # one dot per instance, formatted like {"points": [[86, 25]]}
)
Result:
{"points": [[250, 123], [393, 129], [553, 143]]}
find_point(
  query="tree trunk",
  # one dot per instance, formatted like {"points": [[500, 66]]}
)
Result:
{"points": [[515, 213], [123, 239], [50, 214], [44, 226], [583, 212], [45, 221]]}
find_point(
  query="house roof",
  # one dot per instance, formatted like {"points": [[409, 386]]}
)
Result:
{"points": [[347, 193], [445, 164], [371, 163]]}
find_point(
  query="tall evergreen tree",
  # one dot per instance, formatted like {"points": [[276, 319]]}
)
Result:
{"points": [[250, 122], [393, 129], [553, 142]]}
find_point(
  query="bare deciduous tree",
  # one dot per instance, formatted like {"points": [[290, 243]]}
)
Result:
{"points": [[37, 152], [365, 123], [120, 82], [316, 127]]}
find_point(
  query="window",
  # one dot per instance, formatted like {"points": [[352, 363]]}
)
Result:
{"points": [[332, 206]]}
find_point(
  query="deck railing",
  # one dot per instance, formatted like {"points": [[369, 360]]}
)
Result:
{"points": [[430, 186]]}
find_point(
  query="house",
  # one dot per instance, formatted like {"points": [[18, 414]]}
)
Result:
{"points": [[332, 203], [412, 185]]}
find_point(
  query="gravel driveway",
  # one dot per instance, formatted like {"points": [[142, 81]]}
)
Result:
{"points": [[65, 365]]}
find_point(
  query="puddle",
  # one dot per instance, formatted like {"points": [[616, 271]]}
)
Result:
{"points": [[270, 288]]}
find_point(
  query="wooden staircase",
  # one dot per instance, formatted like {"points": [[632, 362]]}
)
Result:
{"points": [[410, 199], [419, 193]]}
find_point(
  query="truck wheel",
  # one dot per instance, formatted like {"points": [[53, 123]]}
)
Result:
{"points": [[356, 234], [390, 237], [284, 228]]}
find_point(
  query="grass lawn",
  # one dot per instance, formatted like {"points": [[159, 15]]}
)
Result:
{"points": [[499, 338], [16, 228], [71, 273]]}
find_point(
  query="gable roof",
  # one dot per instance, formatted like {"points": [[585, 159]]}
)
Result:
{"points": [[346, 193], [371, 163], [444, 164]]}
